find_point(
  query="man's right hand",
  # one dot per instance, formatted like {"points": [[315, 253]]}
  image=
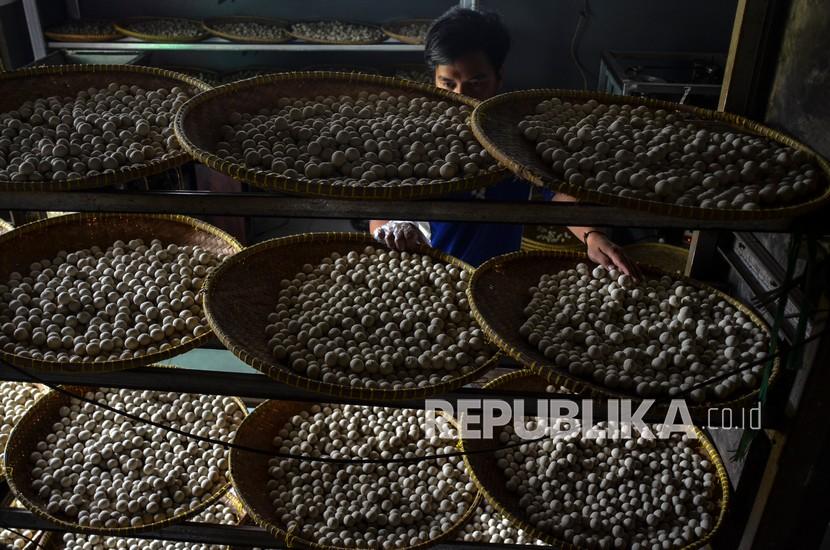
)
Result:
{"points": [[400, 235]]}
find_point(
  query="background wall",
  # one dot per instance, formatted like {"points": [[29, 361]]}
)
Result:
{"points": [[542, 29]]}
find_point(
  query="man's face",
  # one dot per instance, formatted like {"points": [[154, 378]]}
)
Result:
{"points": [[472, 75]]}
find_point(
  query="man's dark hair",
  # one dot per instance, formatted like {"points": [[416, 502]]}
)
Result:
{"points": [[461, 31]]}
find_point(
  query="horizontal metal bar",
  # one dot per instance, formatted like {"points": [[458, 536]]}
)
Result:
{"points": [[273, 205], [220, 45], [236, 536]]}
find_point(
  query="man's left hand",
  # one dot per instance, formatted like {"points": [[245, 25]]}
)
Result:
{"points": [[606, 253]]}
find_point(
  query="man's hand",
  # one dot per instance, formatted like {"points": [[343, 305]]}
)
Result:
{"points": [[604, 252], [400, 235]]}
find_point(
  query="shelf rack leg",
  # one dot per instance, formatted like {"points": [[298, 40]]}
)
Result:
{"points": [[35, 28]]}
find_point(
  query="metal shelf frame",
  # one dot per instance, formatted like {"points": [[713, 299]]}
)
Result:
{"points": [[263, 204], [221, 45]]}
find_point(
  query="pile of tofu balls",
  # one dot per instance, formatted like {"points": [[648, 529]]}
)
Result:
{"points": [[663, 155], [252, 29], [366, 505], [377, 319], [657, 337], [91, 305], [99, 469], [96, 131], [337, 31], [171, 28], [608, 490], [220, 512], [362, 140]]}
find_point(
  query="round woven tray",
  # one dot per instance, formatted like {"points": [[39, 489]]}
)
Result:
{"points": [[668, 257], [198, 121], [24, 85], [392, 30], [208, 76], [124, 28], [495, 125], [242, 292], [498, 294], [212, 27], [249, 474], [43, 239], [533, 238], [67, 37], [34, 427], [491, 481], [311, 40]]}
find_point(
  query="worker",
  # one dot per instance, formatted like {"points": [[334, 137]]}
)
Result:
{"points": [[466, 50]]}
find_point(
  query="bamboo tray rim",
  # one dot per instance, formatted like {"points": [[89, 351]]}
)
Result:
{"points": [[119, 364], [293, 541], [705, 444], [123, 26], [277, 370], [208, 25], [321, 188], [311, 40], [41, 407], [391, 27], [556, 375], [124, 174], [738, 123]]}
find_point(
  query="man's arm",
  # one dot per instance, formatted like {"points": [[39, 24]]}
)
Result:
{"points": [[600, 248]]}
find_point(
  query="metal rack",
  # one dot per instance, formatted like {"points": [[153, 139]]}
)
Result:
{"points": [[751, 271]]}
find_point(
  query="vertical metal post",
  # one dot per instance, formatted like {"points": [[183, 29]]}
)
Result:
{"points": [[469, 4], [35, 28], [73, 9]]}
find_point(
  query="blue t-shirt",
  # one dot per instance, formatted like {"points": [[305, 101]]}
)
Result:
{"points": [[474, 242]]}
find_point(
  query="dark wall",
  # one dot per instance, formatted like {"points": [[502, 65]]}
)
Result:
{"points": [[542, 32], [799, 99]]}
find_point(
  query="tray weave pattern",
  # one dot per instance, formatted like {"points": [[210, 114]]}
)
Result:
{"points": [[124, 27], [249, 474], [495, 125], [213, 26], [43, 239], [34, 427], [311, 40], [197, 127], [498, 294], [242, 292], [24, 85], [490, 479], [393, 30]]}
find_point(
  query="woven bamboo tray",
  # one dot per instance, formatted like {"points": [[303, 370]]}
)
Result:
{"points": [[208, 76], [393, 28], [198, 121], [43, 239], [242, 292], [38, 540], [24, 85], [34, 427], [249, 474], [668, 257], [212, 26], [53, 540], [312, 40], [491, 481], [498, 294], [124, 28], [495, 125], [534, 238], [59, 36]]}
